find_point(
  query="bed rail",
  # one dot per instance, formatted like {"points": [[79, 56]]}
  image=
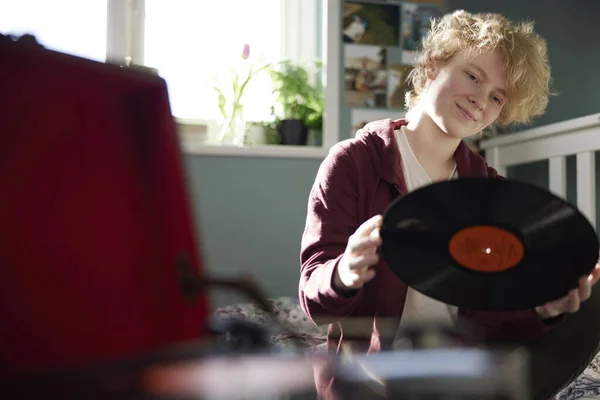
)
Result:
{"points": [[554, 142]]}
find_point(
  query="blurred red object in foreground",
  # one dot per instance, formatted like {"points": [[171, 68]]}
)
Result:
{"points": [[94, 214]]}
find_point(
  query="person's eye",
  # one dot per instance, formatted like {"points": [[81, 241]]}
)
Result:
{"points": [[472, 77]]}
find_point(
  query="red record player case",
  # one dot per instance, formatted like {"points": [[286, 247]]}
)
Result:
{"points": [[94, 214]]}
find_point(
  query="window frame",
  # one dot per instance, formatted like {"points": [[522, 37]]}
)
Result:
{"points": [[125, 43]]}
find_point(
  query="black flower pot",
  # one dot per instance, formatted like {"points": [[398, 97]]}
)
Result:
{"points": [[293, 132]]}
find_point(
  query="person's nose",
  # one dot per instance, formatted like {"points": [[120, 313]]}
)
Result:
{"points": [[477, 101]]}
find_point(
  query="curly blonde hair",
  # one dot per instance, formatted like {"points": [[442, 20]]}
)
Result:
{"points": [[524, 52]]}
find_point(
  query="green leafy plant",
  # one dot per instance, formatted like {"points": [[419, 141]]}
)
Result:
{"points": [[295, 97]]}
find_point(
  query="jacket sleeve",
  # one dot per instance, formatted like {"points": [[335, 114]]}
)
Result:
{"points": [[492, 173], [331, 219]]}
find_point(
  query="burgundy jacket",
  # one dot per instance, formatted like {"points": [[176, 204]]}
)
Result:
{"points": [[353, 184]]}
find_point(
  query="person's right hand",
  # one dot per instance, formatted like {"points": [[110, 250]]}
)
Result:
{"points": [[354, 270]]}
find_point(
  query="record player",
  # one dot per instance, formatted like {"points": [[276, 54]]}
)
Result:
{"points": [[95, 220]]}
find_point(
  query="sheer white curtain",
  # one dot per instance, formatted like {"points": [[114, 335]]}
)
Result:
{"points": [[194, 44], [75, 27]]}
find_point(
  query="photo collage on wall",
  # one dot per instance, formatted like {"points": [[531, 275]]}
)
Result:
{"points": [[380, 41]]}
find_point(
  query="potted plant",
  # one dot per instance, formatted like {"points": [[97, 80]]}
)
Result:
{"points": [[299, 104], [230, 96]]}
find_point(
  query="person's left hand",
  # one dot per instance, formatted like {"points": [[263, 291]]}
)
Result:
{"points": [[571, 302]]}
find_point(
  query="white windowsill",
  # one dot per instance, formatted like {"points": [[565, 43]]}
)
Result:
{"points": [[265, 151], [193, 136]]}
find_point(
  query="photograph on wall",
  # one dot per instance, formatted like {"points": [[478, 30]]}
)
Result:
{"points": [[365, 76], [371, 24], [399, 85], [438, 3], [361, 116], [416, 21]]}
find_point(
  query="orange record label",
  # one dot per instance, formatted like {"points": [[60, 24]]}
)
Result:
{"points": [[486, 248]]}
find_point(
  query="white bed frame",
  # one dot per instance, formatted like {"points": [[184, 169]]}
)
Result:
{"points": [[554, 142]]}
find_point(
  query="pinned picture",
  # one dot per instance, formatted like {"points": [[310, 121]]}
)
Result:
{"points": [[436, 2], [365, 76], [416, 22], [371, 24], [399, 85]]}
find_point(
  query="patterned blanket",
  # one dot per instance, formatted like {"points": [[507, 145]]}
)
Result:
{"points": [[586, 386], [288, 311], [312, 338]]}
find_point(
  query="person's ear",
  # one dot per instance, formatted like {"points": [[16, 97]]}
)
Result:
{"points": [[431, 71]]}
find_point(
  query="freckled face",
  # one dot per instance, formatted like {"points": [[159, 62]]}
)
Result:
{"points": [[467, 94]]}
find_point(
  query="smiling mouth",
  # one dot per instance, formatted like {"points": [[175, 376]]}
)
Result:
{"points": [[466, 113]]}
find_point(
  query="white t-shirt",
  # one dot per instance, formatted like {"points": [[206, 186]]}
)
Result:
{"points": [[419, 308]]}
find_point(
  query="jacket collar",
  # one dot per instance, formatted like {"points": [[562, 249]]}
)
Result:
{"points": [[380, 139]]}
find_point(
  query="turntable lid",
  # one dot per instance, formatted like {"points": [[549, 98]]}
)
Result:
{"points": [[93, 214]]}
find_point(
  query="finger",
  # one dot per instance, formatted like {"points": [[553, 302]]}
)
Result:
{"points": [[585, 288], [559, 306], [375, 233], [367, 276], [364, 244], [367, 227], [357, 280], [550, 310], [364, 261], [595, 275], [573, 302]]}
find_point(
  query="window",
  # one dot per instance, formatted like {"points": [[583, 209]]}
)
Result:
{"points": [[194, 48], [69, 26]]}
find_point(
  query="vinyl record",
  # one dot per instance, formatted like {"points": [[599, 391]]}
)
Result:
{"points": [[488, 244]]}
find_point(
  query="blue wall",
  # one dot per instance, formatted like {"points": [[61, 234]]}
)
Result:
{"points": [[251, 213]]}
